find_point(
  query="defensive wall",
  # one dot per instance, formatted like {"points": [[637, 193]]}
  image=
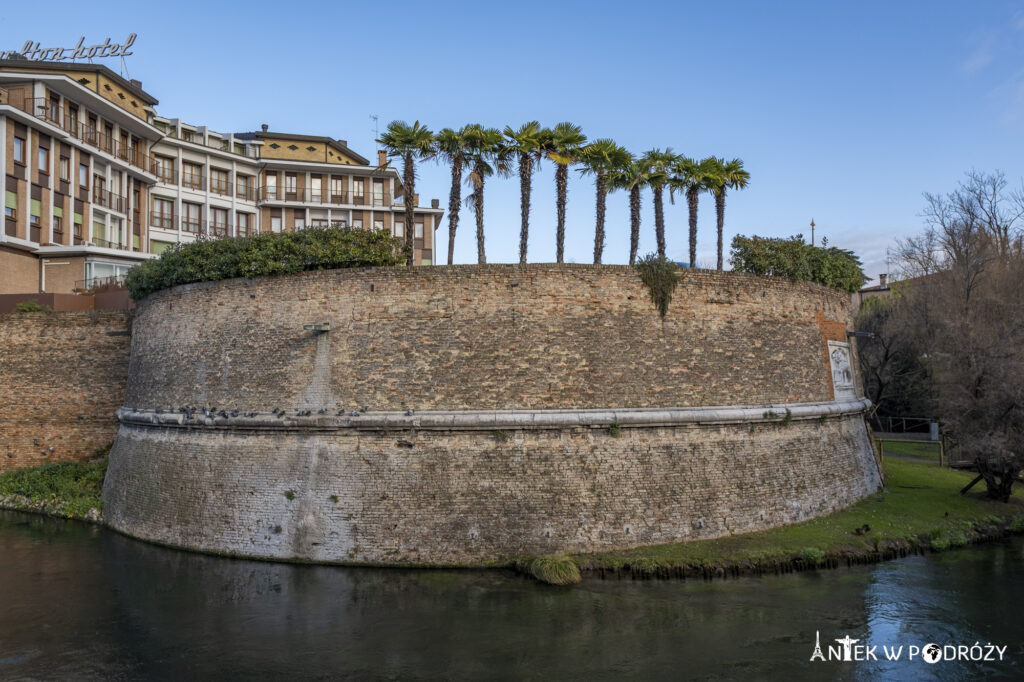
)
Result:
{"points": [[452, 415], [62, 379]]}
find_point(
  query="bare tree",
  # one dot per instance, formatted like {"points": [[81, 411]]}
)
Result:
{"points": [[963, 309]]}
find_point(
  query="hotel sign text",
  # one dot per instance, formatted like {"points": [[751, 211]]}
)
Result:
{"points": [[105, 49]]}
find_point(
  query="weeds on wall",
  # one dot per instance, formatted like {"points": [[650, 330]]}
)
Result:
{"points": [[660, 275], [31, 306], [265, 254]]}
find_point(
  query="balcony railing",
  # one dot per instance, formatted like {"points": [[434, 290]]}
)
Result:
{"points": [[109, 200], [96, 241], [97, 284], [193, 180], [222, 187], [252, 152], [161, 220], [246, 192], [309, 196], [45, 110]]}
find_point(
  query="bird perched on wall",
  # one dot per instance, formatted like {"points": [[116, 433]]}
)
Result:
{"points": [[362, 409], [322, 410], [234, 412], [408, 413]]}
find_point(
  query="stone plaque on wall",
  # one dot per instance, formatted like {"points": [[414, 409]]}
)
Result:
{"points": [[841, 362]]}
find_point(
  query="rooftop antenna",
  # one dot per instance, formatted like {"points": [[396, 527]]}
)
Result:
{"points": [[376, 128], [812, 231]]}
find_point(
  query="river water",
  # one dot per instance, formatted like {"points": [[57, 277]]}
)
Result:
{"points": [[82, 602]]}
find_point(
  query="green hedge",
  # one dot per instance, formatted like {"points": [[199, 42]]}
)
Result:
{"points": [[794, 259], [266, 254]]}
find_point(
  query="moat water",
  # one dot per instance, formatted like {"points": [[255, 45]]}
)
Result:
{"points": [[81, 602]]}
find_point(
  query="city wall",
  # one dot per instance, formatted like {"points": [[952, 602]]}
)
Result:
{"points": [[470, 414], [62, 379]]}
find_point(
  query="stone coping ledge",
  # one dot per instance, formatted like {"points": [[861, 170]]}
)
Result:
{"points": [[336, 419]]}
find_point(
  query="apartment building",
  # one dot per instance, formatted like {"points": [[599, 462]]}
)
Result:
{"points": [[96, 181]]}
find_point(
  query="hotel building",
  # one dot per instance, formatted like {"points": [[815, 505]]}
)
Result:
{"points": [[96, 182]]}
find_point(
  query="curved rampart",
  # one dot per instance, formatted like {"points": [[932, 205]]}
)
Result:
{"points": [[455, 415]]}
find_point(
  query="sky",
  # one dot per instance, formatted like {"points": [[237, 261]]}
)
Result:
{"points": [[844, 112]]}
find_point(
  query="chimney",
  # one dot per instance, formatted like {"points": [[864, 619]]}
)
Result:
{"points": [[416, 199], [883, 280], [265, 127], [137, 83], [435, 203], [382, 157], [344, 143]]}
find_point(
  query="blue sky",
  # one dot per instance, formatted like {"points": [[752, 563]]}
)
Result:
{"points": [[844, 112]]}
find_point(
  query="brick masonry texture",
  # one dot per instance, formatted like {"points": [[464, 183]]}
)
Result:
{"points": [[491, 337], [479, 338], [62, 377]]}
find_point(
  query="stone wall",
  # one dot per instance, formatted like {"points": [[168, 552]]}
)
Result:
{"points": [[468, 414], [492, 337], [62, 378]]}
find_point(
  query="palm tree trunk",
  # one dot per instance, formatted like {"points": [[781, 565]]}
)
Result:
{"points": [[454, 206], [478, 202], [720, 210], [525, 173], [691, 200], [410, 205], [602, 192], [659, 219], [561, 195], [634, 223]]}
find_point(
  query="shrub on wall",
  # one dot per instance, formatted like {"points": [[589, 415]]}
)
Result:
{"points": [[660, 275], [794, 259], [31, 306], [265, 254]]}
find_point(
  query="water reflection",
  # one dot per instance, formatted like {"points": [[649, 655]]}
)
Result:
{"points": [[82, 602]]}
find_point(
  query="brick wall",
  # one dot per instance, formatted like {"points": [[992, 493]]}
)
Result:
{"points": [[492, 337], [62, 376]]}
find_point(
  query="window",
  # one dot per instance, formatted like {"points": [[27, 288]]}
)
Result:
{"points": [[289, 183], [10, 205], [44, 160], [78, 228], [163, 168], [244, 224], [378, 193], [399, 229], [243, 186], [65, 169], [58, 226], [219, 181], [357, 223], [190, 221], [321, 223], [378, 225], [192, 175], [337, 191], [19, 150], [315, 191], [275, 223], [54, 113], [163, 213], [358, 189], [187, 135], [271, 186], [300, 222], [219, 222], [419, 231], [83, 176]]}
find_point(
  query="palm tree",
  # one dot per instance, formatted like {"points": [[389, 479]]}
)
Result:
{"points": [[660, 166], [483, 146], [408, 142], [693, 177], [527, 143], [633, 176], [450, 146], [730, 175], [600, 158], [567, 140]]}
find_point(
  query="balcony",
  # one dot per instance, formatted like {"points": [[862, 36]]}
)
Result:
{"points": [[46, 110], [322, 198], [96, 285], [250, 152], [114, 202], [195, 181], [96, 241], [162, 221]]}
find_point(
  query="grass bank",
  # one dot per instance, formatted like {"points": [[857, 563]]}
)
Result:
{"points": [[923, 449], [70, 490], [919, 510]]}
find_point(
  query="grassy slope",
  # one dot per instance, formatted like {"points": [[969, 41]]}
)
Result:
{"points": [[920, 507], [925, 449], [69, 489]]}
